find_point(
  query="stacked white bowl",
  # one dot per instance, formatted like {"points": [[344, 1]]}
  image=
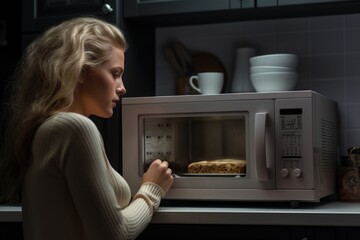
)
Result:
{"points": [[274, 72]]}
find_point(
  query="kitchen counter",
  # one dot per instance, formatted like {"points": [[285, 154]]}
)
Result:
{"points": [[320, 214], [314, 214], [10, 213]]}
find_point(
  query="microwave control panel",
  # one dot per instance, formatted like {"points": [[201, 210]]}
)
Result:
{"points": [[291, 144]]}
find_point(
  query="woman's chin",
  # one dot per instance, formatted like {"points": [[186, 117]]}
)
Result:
{"points": [[107, 114]]}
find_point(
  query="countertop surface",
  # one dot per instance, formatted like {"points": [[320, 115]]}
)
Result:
{"points": [[314, 214]]}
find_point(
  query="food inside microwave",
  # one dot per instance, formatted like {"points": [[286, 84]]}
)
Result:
{"points": [[232, 166]]}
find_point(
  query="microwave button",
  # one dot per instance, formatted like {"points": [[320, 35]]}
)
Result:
{"points": [[284, 172], [297, 172]]}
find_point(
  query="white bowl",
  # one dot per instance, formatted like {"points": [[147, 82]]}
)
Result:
{"points": [[274, 81], [265, 69], [279, 60]]}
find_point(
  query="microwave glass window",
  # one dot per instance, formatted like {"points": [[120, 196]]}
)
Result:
{"points": [[182, 140]]}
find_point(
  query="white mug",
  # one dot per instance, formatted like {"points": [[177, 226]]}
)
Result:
{"points": [[208, 82]]}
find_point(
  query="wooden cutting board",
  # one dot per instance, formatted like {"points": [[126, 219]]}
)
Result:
{"points": [[207, 62]]}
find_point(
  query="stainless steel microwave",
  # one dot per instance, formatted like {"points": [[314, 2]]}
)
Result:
{"points": [[287, 140]]}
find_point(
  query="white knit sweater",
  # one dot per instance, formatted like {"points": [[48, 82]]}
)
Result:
{"points": [[71, 191]]}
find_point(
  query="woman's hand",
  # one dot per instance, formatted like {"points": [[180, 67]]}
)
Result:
{"points": [[160, 174]]}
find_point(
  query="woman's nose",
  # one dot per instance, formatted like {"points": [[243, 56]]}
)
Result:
{"points": [[120, 87], [120, 90]]}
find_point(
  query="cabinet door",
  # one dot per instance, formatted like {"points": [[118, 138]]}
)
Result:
{"points": [[40, 14], [293, 2], [134, 8], [267, 3], [237, 4]]}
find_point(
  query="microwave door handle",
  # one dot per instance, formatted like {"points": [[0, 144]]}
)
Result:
{"points": [[261, 120]]}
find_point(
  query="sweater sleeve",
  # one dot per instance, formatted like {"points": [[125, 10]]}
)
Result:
{"points": [[86, 171]]}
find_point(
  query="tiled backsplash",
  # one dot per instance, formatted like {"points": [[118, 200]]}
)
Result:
{"points": [[328, 48]]}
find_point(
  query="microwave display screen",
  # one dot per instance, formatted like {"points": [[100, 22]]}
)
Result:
{"points": [[291, 119], [185, 139]]}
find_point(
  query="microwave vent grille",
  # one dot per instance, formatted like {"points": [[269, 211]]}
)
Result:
{"points": [[328, 145]]}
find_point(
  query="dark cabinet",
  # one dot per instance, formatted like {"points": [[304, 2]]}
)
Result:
{"points": [[213, 232], [199, 231], [293, 2], [156, 7], [272, 3], [320, 233], [302, 233], [142, 8], [236, 4], [266, 3], [145, 7], [40, 14], [13, 230]]}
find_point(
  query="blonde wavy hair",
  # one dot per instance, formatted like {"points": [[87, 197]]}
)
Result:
{"points": [[46, 79]]}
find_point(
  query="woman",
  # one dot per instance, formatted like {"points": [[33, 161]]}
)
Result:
{"points": [[54, 155]]}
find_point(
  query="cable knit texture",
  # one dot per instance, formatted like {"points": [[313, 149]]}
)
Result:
{"points": [[71, 191]]}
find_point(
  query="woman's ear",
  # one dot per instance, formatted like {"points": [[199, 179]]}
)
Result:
{"points": [[82, 76]]}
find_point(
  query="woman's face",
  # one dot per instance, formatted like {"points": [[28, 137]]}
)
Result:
{"points": [[99, 89]]}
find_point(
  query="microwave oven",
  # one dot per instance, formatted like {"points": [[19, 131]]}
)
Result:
{"points": [[288, 141]]}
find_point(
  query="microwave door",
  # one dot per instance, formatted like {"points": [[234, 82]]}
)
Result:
{"points": [[243, 130]]}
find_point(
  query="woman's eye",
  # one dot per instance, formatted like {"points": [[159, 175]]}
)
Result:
{"points": [[116, 75]]}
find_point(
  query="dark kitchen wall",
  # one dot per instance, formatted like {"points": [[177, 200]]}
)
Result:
{"points": [[10, 43]]}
